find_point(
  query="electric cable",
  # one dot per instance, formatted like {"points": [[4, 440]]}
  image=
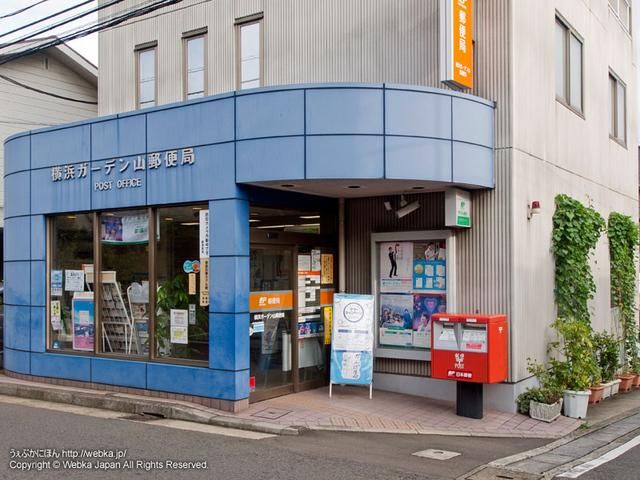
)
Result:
{"points": [[44, 92], [49, 17], [23, 9]]}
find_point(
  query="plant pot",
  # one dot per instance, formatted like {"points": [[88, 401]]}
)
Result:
{"points": [[576, 403], [545, 411], [615, 388], [608, 387], [596, 394], [636, 380], [626, 382]]}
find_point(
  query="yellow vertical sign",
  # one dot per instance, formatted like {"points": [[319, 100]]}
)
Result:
{"points": [[328, 318]]}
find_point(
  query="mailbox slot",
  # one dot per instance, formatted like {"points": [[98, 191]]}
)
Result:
{"points": [[474, 338]]}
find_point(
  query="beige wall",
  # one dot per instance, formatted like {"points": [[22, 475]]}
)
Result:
{"points": [[22, 109]]}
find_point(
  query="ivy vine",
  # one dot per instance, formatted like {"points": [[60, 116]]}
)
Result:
{"points": [[576, 230], [623, 246]]}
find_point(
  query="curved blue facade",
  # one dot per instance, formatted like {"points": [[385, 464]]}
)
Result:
{"points": [[292, 134]]}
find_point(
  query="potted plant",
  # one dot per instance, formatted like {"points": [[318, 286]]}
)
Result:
{"points": [[597, 387], [576, 368], [541, 403], [607, 353]]}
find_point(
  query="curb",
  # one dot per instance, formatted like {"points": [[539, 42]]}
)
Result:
{"points": [[139, 406]]}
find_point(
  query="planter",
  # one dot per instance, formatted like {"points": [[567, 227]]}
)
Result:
{"points": [[576, 403], [626, 381], [608, 387], [596, 394], [615, 387], [636, 380], [545, 411]]}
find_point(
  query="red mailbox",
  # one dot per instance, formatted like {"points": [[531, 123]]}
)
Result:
{"points": [[469, 348]]}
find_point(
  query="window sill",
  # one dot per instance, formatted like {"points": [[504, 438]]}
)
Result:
{"points": [[573, 109], [620, 142]]}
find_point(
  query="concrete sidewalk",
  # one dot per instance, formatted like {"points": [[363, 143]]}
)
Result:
{"points": [[349, 410]]}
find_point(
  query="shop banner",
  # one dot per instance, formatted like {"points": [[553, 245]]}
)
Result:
{"points": [[352, 339], [125, 229], [82, 312]]}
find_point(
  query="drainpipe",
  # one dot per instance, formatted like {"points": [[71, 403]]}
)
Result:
{"points": [[342, 268]]}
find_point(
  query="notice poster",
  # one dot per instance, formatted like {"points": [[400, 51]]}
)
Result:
{"points": [[56, 319], [328, 316], [125, 229], [352, 339], [424, 306], [204, 233], [82, 314], [56, 283], [396, 266], [179, 326], [430, 265], [396, 320], [74, 280], [204, 281], [326, 262]]}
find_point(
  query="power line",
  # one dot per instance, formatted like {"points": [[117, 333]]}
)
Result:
{"points": [[44, 92], [49, 17], [23, 9]]}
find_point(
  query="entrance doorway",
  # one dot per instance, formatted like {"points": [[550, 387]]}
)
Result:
{"points": [[292, 284]]}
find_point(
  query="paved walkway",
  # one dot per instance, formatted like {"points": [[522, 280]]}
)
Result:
{"points": [[351, 409]]}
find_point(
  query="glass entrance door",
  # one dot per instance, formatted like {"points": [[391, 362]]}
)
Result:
{"points": [[271, 310]]}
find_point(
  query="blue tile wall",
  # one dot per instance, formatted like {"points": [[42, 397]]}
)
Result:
{"points": [[126, 373], [418, 114], [198, 381], [119, 137], [16, 238], [112, 177], [70, 367], [38, 283], [61, 146], [232, 294], [211, 175], [47, 196], [344, 110], [345, 156], [16, 194], [270, 114], [270, 159], [17, 283], [418, 158], [190, 125], [17, 154], [229, 228], [229, 341], [17, 327], [17, 361], [38, 237], [38, 337]]}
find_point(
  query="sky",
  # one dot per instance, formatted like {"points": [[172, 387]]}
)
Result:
{"points": [[87, 46]]}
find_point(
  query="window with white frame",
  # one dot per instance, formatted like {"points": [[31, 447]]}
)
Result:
{"points": [[146, 71], [249, 54], [195, 66], [622, 10], [568, 66], [617, 109]]}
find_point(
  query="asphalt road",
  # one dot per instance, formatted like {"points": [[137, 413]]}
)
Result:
{"points": [[624, 467], [313, 455]]}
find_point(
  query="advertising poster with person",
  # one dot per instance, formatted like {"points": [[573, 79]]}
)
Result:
{"points": [[396, 320], [125, 229], [429, 265], [83, 321], [424, 306], [396, 266]]}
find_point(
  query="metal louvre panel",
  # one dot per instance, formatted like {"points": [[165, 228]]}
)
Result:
{"points": [[415, 368]]}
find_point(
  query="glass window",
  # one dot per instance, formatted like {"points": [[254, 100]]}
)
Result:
{"points": [[125, 282], [249, 55], [147, 78], [568, 66], [71, 313], [618, 109], [195, 66], [182, 298]]}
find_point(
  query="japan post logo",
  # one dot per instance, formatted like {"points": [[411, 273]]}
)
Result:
{"points": [[459, 361]]}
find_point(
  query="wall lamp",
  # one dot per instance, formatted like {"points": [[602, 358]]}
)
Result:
{"points": [[533, 209]]}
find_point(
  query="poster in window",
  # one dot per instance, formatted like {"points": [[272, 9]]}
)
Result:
{"points": [[396, 266], [56, 283], [424, 306], [396, 320], [179, 321], [82, 313], [430, 265], [125, 229]]}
